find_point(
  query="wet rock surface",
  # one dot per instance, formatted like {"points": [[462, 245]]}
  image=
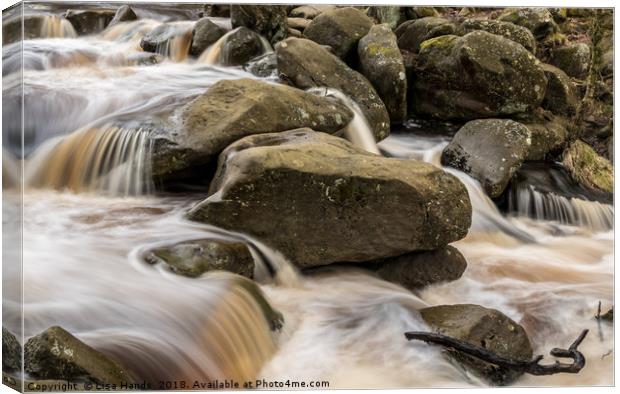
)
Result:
{"points": [[490, 150], [90, 21], [335, 202], [193, 258], [56, 354], [204, 34], [484, 327], [306, 64], [240, 46], [479, 75]]}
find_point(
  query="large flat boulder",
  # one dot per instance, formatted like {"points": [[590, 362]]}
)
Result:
{"points": [[484, 327], [306, 64], [319, 200], [489, 150], [479, 75], [233, 109], [382, 64], [340, 28], [56, 354]]}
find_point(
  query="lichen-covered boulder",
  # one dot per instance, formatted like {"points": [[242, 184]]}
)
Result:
{"points": [[332, 201], [267, 20], [560, 97], [204, 34], [90, 21], [479, 75], [419, 269], [56, 354], [413, 32], [11, 352], [574, 59], [587, 168], [124, 13], [549, 134], [340, 28], [382, 64], [194, 258], [232, 109], [483, 327], [307, 64], [538, 20], [489, 150], [518, 34]]}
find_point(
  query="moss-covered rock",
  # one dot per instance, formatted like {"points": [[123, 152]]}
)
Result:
{"points": [[56, 354], [483, 327], [518, 34], [412, 33], [382, 64], [341, 29], [574, 59], [490, 150], [334, 202], [11, 352], [194, 258], [232, 109], [267, 20], [560, 97], [538, 20], [416, 270], [306, 64], [479, 75], [90, 21], [204, 34], [587, 168]]}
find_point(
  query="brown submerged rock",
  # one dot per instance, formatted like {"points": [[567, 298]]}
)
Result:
{"points": [[193, 258], [306, 64], [56, 354], [484, 327], [333, 201]]}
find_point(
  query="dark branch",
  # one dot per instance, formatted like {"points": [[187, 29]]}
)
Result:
{"points": [[532, 367]]}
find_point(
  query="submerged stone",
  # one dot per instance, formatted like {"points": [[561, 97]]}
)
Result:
{"points": [[483, 327], [333, 202], [193, 258]]}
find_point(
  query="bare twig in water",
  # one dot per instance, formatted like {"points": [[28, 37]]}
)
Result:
{"points": [[532, 367], [598, 322]]}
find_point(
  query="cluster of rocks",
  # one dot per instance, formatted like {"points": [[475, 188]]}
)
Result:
{"points": [[280, 172]]}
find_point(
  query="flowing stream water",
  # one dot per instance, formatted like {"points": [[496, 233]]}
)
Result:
{"points": [[90, 214]]}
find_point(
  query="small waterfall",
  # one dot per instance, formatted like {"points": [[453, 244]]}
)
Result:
{"points": [[358, 131], [108, 158], [213, 54], [56, 27], [525, 200], [230, 336], [176, 47]]}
